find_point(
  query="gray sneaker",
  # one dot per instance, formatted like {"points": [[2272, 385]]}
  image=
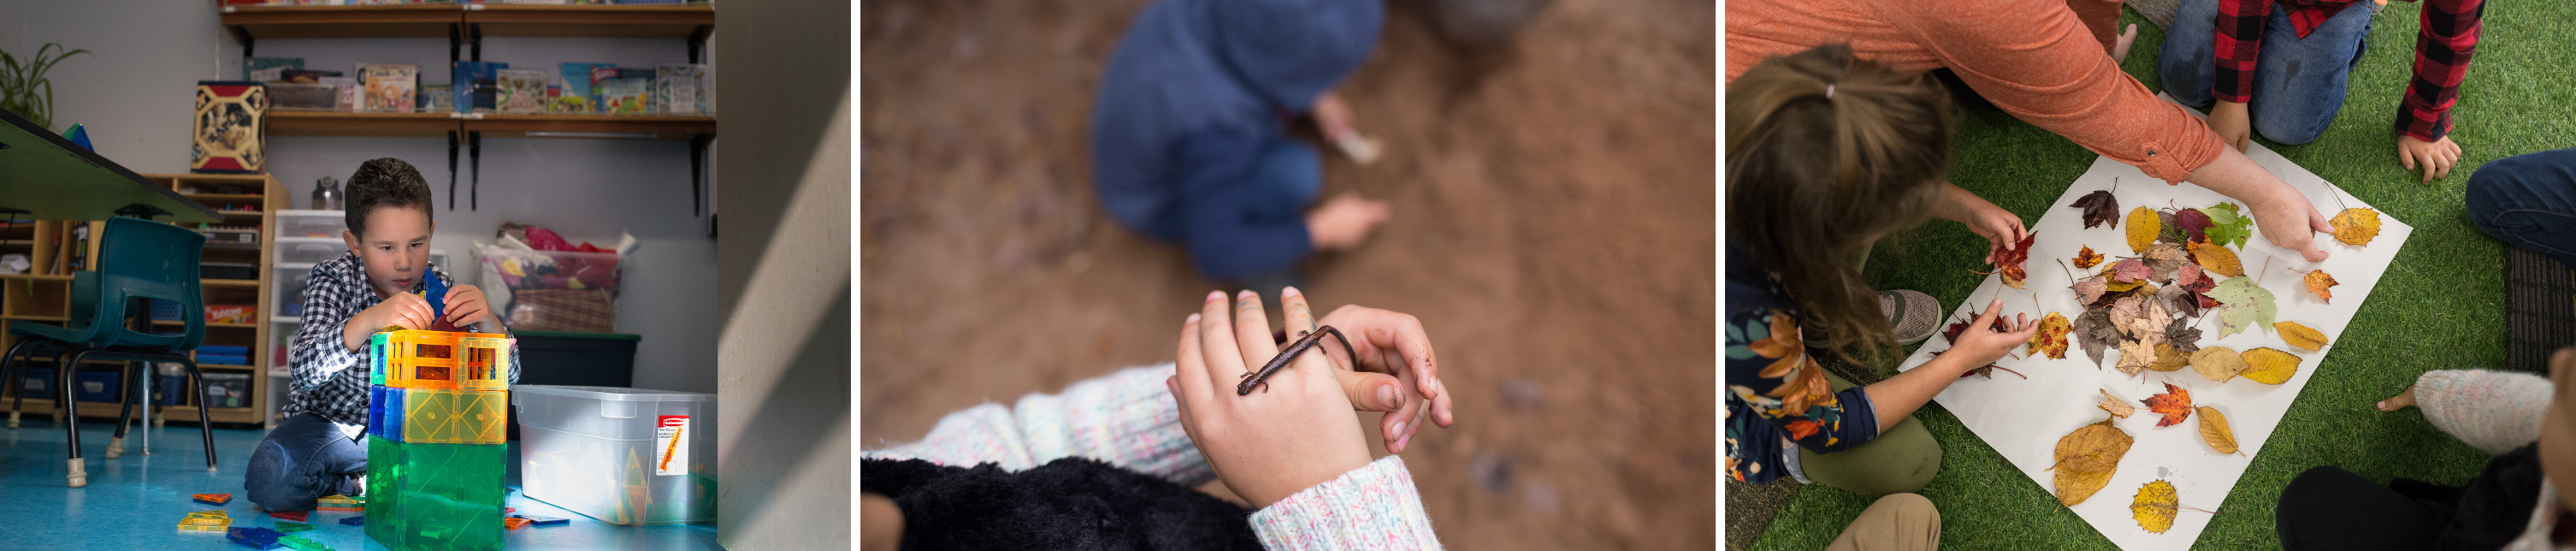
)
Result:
{"points": [[1916, 316]]}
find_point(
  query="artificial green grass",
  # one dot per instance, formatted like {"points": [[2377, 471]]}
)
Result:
{"points": [[2439, 307]]}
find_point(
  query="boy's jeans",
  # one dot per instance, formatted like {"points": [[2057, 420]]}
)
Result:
{"points": [[302, 460], [2528, 201], [2298, 82]]}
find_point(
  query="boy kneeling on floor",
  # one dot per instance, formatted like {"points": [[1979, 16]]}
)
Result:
{"points": [[319, 449]]}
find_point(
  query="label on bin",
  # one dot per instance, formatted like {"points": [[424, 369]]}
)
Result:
{"points": [[667, 436]]}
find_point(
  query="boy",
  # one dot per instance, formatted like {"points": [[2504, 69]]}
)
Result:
{"points": [[320, 448], [2280, 70], [1188, 137]]}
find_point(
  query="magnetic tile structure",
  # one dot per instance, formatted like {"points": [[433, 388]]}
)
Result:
{"points": [[435, 419]]}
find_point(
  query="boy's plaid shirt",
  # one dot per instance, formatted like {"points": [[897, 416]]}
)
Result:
{"points": [[2444, 41], [329, 380]]}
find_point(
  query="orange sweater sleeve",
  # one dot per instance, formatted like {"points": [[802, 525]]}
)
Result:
{"points": [[2035, 60]]}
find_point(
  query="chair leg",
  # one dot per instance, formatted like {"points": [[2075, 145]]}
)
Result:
{"points": [[71, 427], [9, 368], [143, 392], [124, 414], [205, 423]]}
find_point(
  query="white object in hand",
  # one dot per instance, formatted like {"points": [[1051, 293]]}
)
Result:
{"points": [[1358, 147]]}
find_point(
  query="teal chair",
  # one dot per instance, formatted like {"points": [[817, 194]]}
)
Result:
{"points": [[137, 259]]}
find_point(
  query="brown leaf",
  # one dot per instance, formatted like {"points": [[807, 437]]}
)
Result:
{"points": [[2090, 289], [2086, 458], [2318, 281], [2115, 406], [2051, 338], [2300, 335], [2155, 506], [2087, 259], [2099, 208], [2175, 403], [2218, 363], [2168, 359], [2271, 367], [2355, 226], [2214, 430], [2094, 332], [2183, 337], [2144, 228], [2217, 259], [2073, 486], [2164, 258], [2136, 356]]}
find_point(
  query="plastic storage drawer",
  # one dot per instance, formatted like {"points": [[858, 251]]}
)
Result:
{"points": [[309, 250], [621, 455], [311, 223], [97, 386]]}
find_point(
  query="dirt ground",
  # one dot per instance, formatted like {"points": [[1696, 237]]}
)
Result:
{"points": [[1554, 229]]}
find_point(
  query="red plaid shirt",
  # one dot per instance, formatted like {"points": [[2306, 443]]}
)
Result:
{"points": [[2448, 36]]}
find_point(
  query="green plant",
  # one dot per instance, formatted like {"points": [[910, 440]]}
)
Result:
{"points": [[23, 87]]}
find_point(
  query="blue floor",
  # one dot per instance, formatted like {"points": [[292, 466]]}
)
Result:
{"points": [[136, 501]]}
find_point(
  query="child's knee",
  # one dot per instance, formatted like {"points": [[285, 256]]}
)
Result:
{"points": [[2287, 127]]}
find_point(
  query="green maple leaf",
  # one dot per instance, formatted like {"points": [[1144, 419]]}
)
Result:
{"points": [[2228, 226], [2247, 305]]}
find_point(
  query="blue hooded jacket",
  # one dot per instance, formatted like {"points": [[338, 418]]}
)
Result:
{"points": [[1194, 92]]}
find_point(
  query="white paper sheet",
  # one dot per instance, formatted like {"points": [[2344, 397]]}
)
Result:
{"points": [[2023, 419]]}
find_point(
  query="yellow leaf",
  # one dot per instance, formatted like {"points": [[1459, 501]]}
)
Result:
{"points": [[2051, 338], [2086, 458], [2217, 259], [2214, 430], [2318, 281], [2144, 226], [2073, 487], [2218, 363], [2115, 406], [2169, 359], [2353, 226], [2300, 335], [2271, 367], [2155, 506]]}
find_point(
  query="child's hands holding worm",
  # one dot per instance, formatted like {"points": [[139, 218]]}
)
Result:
{"points": [[1272, 443], [1398, 373]]}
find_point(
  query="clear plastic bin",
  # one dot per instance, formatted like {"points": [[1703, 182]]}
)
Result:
{"points": [[621, 455], [309, 250], [312, 223]]}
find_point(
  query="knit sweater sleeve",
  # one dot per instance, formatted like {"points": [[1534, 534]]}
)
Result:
{"points": [[1127, 419], [1372, 507], [2495, 411]]}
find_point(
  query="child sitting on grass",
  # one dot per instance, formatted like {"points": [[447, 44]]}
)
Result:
{"points": [[2527, 422], [320, 447]]}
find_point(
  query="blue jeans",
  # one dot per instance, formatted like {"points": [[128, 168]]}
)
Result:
{"points": [[302, 460], [2298, 82], [2528, 201]]}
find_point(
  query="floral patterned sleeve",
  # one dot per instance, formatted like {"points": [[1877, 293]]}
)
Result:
{"points": [[1776, 392]]}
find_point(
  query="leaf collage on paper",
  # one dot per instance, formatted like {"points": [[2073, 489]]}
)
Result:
{"points": [[2355, 226], [2175, 404], [2086, 458]]}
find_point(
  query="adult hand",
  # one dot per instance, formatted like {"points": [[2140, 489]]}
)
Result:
{"points": [[1298, 432], [1344, 222], [1981, 344], [2233, 126], [406, 310], [466, 307], [2437, 156], [1397, 372], [2291, 223]]}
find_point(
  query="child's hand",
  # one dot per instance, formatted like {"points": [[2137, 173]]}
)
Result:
{"points": [[404, 310], [2233, 126], [465, 307], [1272, 443], [2437, 156], [1398, 373], [1344, 222], [1981, 344], [1332, 117]]}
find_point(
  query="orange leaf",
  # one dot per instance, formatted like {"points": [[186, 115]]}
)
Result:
{"points": [[2217, 259], [2318, 281], [2175, 403], [2214, 430], [2086, 258], [2155, 506], [2355, 226], [2051, 338]]}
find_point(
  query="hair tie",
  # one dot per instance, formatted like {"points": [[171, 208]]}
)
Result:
{"points": [[1829, 90]]}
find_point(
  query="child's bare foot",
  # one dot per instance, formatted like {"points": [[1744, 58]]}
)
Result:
{"points": [[2401, 401], [2120, 47]]}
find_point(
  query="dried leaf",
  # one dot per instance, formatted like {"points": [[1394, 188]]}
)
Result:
{"points": [[2051, 338], [2090, 289], [2163, 258], [2195, 224], [2144, 228], [2271, 367], [2183, 337], [2318, 281], [2168, 359], [2356, 226], [2194, 296], [2218, 363], [2135, 356], [2149, 326], [2087, 259], [2086, 458], [2099, 208], [2155, 506], [1951, 335], [2248, 305], [2073, 487], [2094, 332], [2125, 310], [2217, 259], [2300, 335], [2214, 430], [2115, 406], [2128, 270], [2013, 264], [2172, 231], [2175, 403], [2229, 227]]}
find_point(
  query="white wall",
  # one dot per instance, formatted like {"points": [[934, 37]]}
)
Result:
{"points": [[133, 95]]}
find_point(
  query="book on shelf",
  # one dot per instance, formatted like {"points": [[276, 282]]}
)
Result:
{"points": [[679, 88], [520, 91], [389, 87]]}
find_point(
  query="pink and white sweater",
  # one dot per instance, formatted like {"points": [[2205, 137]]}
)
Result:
{"points": [[1130, 420]]}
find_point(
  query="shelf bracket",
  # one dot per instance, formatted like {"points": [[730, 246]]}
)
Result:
{"points": [[451, 171], [455, 41], [249, 43], [698, 43], [474, 34], [698, 172], [474, 153]]}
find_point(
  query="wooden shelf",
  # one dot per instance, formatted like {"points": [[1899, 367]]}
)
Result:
{"points": [[593, 20], [639, 127], [228, 283], [55, 319], [220, 197], [37, 277], [380, 21], [208, 324], [341, 123]]}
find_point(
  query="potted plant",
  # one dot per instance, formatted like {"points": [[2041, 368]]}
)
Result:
{"points": [[23, 87]]}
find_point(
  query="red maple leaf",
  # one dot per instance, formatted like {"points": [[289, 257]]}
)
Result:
{"points": [[2013, 262], [2175, 404]]}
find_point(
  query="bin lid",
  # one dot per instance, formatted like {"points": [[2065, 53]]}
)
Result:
{"points": [[572, 335], [614, 393]]}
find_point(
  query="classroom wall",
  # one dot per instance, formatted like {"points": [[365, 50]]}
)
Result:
{"points": [[134, 92], [784, 289]]}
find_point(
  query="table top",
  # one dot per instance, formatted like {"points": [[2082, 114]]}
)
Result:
{"points": [[54, 179]]}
